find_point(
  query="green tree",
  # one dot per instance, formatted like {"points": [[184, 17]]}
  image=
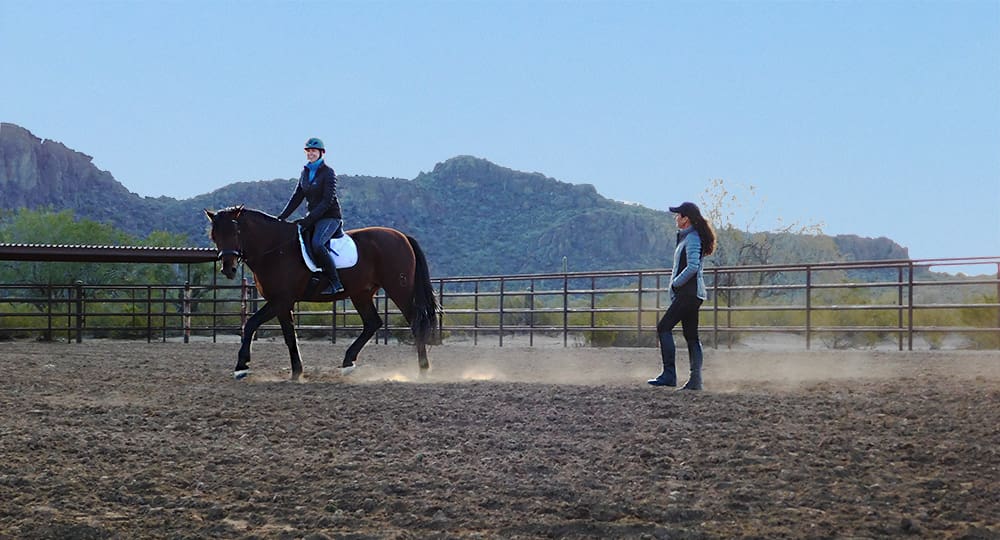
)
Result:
{"points": [[61, 228], [159, 273]]}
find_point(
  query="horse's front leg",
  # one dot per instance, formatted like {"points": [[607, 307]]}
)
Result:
{"points": [[288, 331], [262, 315]]}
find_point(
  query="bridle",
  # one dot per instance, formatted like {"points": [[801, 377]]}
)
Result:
{"points": [[239, 254], [234, 252]]}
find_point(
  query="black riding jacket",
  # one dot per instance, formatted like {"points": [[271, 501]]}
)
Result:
{"points": [[320, 195]]}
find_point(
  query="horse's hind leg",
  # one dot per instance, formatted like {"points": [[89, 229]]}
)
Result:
{"points": [[264, 314], [400, 297], [371, 321], [288, 332], [422, 355]]}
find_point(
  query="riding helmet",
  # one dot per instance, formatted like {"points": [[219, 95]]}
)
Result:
{"points": [[315, 143]]}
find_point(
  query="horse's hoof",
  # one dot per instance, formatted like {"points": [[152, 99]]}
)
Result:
{"points": [[347, 370], [241, 374]]}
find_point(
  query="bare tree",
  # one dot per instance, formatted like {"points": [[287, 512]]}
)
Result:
{"points": [[746, 244]]}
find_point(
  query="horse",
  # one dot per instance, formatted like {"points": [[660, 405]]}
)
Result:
{"points": [[270, 248]]}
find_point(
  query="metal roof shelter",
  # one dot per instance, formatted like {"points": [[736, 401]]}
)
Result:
{"points": [[104, 254]]}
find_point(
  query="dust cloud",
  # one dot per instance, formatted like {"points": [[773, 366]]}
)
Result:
{"points": [[724, 370]]}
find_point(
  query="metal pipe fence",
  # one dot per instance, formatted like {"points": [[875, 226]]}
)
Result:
{"points": [[903, 304]]}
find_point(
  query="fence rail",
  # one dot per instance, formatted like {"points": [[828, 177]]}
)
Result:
{"points": [[859, 304]]}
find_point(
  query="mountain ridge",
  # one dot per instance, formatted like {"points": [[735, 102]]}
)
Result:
{"points": [[472, 216]]}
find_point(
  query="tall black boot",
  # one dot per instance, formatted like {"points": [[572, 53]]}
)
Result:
{"points": [[668, 377], [325, 261], [696, 355]]}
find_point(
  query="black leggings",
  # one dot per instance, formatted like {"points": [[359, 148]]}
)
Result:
{"points": [[684, 310]]}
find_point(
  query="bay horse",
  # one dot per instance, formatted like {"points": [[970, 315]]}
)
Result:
{"points": [[387, 259]]}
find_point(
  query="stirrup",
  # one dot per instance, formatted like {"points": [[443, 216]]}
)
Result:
{"points": [[332, 289]]}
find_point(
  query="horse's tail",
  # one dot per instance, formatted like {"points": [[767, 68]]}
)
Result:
{"points": [[425, 306]]}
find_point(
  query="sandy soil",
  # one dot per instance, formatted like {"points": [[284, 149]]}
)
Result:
{"points": [[130, 440]]}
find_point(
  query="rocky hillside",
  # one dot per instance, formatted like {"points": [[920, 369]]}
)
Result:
{"points": [[473, 217], [37, 173]]}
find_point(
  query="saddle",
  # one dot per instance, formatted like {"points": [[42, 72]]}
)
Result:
{"points": [[343, 249]]}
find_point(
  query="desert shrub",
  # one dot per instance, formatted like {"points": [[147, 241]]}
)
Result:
{"points": [[982, 318], [883, 314], [21, 322]]}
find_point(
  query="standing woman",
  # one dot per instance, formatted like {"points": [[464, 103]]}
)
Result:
{"points": [[695, 240], [318, 186]]}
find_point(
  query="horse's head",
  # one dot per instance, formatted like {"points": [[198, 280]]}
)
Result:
{"points": [[226, 235]]}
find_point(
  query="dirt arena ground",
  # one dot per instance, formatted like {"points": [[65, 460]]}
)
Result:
{"points": [[130, 440]]}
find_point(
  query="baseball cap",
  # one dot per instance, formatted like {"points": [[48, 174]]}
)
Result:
{"points": [[686, 209]]}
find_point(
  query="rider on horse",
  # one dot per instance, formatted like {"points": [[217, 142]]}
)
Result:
{"points": [[318, 186]]}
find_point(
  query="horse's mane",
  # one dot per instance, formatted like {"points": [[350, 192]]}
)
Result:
{"points": [[242, 209]]}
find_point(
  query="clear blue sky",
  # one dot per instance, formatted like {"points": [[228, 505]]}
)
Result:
{"points": [[871, 118]]}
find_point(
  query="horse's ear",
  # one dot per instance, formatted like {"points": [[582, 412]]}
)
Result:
{"points": [[210, 214], [239, 210]]}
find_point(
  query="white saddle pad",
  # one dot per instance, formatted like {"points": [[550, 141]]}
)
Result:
{"points": [[345, 252]]}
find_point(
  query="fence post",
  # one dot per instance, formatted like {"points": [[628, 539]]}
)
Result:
{"points": [[215, 304], [186, 311], [715, 308], [149, 313], [69, 314], [132, 294], [593, 305], [163, 315], [909, 326], [638, 318], [899, 302], [500, 309], [531, 314], [78, 288], [48, 335], [565, 296], [729, 316], [808, 307]]}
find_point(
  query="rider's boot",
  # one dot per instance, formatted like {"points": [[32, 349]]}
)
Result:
{"points": [[325, 261]]}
